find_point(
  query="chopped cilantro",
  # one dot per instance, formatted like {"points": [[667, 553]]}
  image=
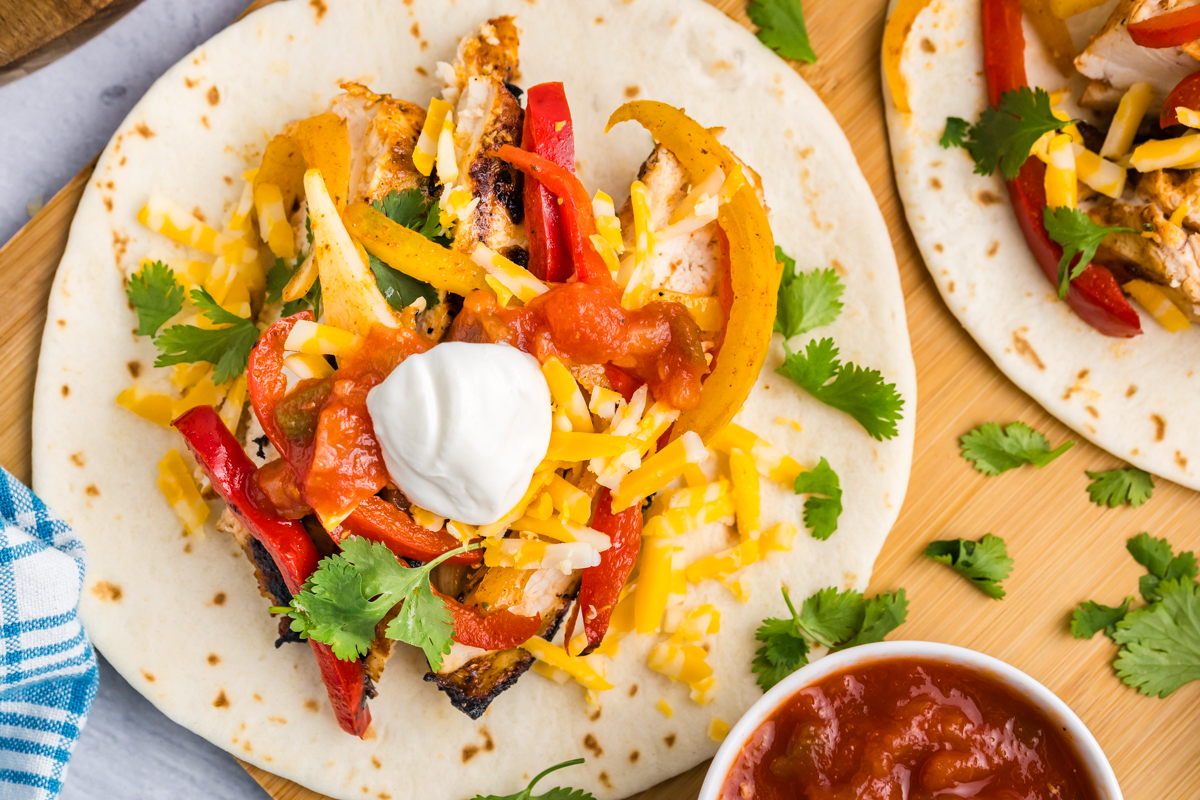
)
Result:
{"points": [[955, 132], [413, 210], [398, 289], [859, 392], [781, 28], [984, 563], [278, 278], [1160, 643], [994, 450], [1079, 236], [155, 296], [227, 348], [351, 591], [807, 300], [821, 513], [1091, 617], [560, 793], [1004, 136], [1130, 487], [830, 618], [1160, 562]]}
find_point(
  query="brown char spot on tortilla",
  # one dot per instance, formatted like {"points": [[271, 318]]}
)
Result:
{"points": [[1180, 460], [422, 71], [384, 796], [950, 287], [204, 122], [935, 182], [1092, 410], [108, 204], [469, 752], [62, 323], [603, 776], [634, 756], [927, 45], [187, 548], [106, 591], [993, 248], [92, 490], [77, 458], [222, 701], [119, 244], [213, 96], [66, 390], [143, 130], [278, 720], [135, 368], [1160, 427], [633, 690], [986, 197], [213, 659], [376, 763], [590, 743], [488, 744], [632, 91], [149, 676], [189, 83], [257, 697], [415, 30], [669, 739], [219, 599], [939, 247], [312, 705], [320, 6], [1024, 348], [1131, 391], [599, 20]]}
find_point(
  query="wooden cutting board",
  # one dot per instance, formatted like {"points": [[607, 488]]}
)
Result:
{"points": [[1066, 549], [35, 32]]}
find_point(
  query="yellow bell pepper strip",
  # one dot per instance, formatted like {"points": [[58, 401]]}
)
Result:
{"points": [[321, 142], [754, 273], [1054, 34], [411, 253], [283, 166], [272, 221], [899, 26]]}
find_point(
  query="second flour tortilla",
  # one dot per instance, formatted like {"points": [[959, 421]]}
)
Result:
{"points": [[182, 619], [1136, 398]]}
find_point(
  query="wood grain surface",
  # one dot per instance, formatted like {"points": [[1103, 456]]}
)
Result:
{"points": [[35, 32], [1066, 549]]}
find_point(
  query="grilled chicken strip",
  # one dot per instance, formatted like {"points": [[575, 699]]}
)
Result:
{"points": [[1171, 257], [383, 134], [1114, 62]]}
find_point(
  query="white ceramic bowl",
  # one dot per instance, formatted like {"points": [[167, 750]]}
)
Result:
{"points": [[1094, 761]]}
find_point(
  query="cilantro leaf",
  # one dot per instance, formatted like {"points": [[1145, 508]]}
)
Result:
{"points": [[807, 300], [985, 563], [560, 793], [994, 450], [1091, 617], [1160, 562], [352, 591], [821, 513], [1079, 236], [1004, 136], [1130, 487], [1161, 643], [859, 392], [882, 614], [155, 296], [310, 300], [955, 132], [277, 280], [781, 28], [832, 618], [398, 289], [227, 349]]}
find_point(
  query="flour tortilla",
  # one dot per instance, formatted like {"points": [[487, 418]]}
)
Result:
{"points": [[182, 619], [1135, 398]]}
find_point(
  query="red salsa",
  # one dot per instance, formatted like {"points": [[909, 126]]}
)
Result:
{"points": [[908, 729]]}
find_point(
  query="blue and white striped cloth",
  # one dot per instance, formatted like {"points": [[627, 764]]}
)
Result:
{"points": [[48, 671]]}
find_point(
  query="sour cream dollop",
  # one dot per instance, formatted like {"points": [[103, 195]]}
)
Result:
{"points": [[462, 428]]}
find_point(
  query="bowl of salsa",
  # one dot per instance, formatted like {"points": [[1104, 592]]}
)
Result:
{"points": [[909, 721]]}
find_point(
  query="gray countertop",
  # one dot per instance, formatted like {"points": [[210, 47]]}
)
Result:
{"points": [[52, 123]]}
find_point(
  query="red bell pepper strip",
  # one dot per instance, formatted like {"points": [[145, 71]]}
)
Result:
{"points": [[1095, 296], [600, 586], [579, 222], [267, 385], [1172, 29], [377, 520], [499, 630], [622, 382], [1185, 94], [232, 474], [548, 133]]}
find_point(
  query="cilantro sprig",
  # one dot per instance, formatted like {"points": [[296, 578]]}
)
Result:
{"points": [[226, 348], [821, 513], [994, 450], [829, 618], [1004, 136], [156, 296], [781, 28], [984, 563], [352, 591], [1116, 487], [1159, 642], [413, 210], [861, 393], [559, 793], [1079, 236], [807, 300]]}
